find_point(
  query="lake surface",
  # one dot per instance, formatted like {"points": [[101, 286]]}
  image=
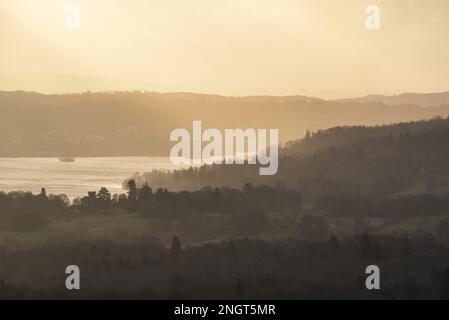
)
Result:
{"points": [[74, 178]]}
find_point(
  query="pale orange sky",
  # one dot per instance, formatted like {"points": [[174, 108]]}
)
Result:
{"points": [[230, 47]]}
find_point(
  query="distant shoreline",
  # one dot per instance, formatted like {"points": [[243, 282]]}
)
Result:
{"points": [[74, 179], [79, 157]]}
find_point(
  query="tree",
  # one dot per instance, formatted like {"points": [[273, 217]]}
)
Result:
{"points": [[405, 249], [239, 290], [132, 190], [63, 200], [412, 291], [43, 193], [145, 193], [366, 246], [104, 195], [443, 231], [231, 248], [333, 243], [248, 188], [308, 134], [132, 195], [77, 202], [444, 285], [176, 247]]}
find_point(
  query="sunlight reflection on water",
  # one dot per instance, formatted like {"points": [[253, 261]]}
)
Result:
{"points": [[74, 178]]}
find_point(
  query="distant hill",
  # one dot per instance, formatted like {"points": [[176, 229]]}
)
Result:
{"points": [[139, 123], [419, 99]]}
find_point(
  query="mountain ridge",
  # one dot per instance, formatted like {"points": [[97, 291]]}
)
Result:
{"points": [[422, 99], [405, 97]]}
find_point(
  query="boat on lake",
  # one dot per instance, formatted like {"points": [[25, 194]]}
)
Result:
{"points": [[67, 159]]}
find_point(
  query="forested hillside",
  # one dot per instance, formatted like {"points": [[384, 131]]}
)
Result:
{"points": [[358, 161]]}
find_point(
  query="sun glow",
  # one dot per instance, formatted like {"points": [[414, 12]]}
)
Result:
{"points": [[226, 47]]}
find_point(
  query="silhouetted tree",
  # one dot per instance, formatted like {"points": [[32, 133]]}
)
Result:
{"points": [[248, 188], [444, 286], [412, 291], [239, 290], [176, 247], [232, 250], [104, 195], [405, 247], [132, 195], [132, 190], [443, 231], [366, 246], [145, 193], [43, 193], [333, 243]]}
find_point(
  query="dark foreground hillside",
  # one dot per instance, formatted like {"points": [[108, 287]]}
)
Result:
{"points": [[239, 269]]}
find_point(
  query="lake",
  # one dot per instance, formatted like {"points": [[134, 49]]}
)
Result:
{"points": [[74, 178]]}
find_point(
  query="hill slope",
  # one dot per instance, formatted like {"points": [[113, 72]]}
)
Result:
{"points": [[420, 99], [137, 123], [356, 161]]}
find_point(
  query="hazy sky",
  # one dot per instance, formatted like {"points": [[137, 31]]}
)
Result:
{"points": [[231, 47]]}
